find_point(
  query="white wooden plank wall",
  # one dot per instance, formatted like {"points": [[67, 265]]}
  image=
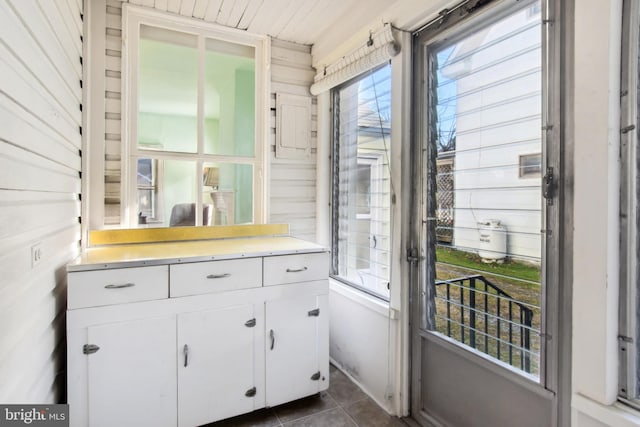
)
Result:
{"points": [[40, 142], [292, 184]]}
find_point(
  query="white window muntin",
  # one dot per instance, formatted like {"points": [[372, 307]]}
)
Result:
{"points": [[133, 18]]}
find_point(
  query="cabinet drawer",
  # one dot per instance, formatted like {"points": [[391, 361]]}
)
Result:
{"points": [[215, 276], [279, 270], [117, 286]]}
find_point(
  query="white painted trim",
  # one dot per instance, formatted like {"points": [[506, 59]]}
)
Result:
{"points": [[401, 91], [596, 124], [132, 17], [365, 300], [261, 175], [93, 117], [616, 414], [323, 170]]}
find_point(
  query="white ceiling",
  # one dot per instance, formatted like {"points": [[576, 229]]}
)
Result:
{"points": [[326, 24]]}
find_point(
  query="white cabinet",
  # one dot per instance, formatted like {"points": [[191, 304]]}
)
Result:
{"points": [[192, 341], [296, 334], [127, 360], [216, 373]]}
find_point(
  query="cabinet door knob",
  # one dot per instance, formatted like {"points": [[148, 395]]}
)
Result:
{"points": [[251, 392], [272, 335], [218, 276], [119, 286], [296, 270], [185, 351], [316, 376], [314, 313], [250, 323]]}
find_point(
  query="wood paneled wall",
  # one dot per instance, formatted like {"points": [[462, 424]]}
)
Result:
{"points": [[292, 190], [292, 187], [40, 162]]}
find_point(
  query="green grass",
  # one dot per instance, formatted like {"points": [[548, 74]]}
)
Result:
{"points": [[509, 268]]}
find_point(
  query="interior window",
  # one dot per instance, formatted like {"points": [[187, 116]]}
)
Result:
{"points": [[192, 141], [361, 188]]}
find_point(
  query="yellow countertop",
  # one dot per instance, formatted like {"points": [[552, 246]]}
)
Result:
{"points": [[135, 255]]}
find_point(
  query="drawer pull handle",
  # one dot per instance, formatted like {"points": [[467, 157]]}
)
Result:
{"points": [[185, 350], [218, 276], [272, 335], [120, 286], [296, 270]]}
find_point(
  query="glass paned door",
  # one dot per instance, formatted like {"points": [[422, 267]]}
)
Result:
{"points": [[483, 265], [485, 136]]}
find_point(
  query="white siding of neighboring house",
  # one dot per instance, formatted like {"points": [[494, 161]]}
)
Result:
{"points": [[40, 142], [498, 119], [292, 183]]}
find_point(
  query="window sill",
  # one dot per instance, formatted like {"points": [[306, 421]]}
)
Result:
{"points": [[616, 414], [375, 304]]}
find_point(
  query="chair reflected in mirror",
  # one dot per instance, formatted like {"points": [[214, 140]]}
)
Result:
{"points": [[184, 214]]}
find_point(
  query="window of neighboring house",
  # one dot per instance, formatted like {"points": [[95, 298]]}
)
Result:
{"points": [[362, 187], [194, 100], [530, 165]]}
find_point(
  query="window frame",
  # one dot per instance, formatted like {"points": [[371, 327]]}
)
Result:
{"points": [[133, 17], [629, 306], [334, 166]]}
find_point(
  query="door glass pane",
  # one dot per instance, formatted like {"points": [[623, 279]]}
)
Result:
{"points": [[229, 99], [484, 158], [362, 185], [167, 90], [228, 192]]}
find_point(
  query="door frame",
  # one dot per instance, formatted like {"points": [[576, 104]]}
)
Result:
{"points": [[555, 373]]}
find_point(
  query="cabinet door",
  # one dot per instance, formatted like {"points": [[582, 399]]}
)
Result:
{"points": [[297, 355], [132, 376], [216, 365]]}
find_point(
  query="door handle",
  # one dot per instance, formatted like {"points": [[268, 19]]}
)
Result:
{"points": [[272, 335], [185, 351]]}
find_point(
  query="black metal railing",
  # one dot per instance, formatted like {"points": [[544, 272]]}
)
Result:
{"points": [[475, 312]]}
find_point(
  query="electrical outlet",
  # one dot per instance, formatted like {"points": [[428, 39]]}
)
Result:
{"points": [[36, 254]]}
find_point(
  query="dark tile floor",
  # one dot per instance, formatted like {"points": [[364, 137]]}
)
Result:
{"points": [[343, 405]]}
